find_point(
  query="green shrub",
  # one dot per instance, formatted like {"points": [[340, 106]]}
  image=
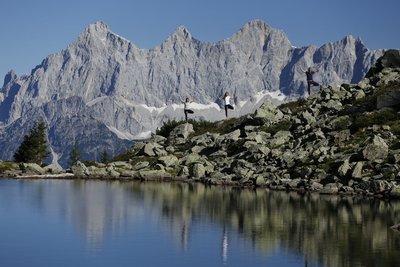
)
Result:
{"points": [[8, 166], [284, 125], [295, 106], [167, 127], [125, 156], [378, 117], [395, 127]]}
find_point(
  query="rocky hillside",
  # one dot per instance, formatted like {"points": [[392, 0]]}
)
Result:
{"points": [[103, 91]]}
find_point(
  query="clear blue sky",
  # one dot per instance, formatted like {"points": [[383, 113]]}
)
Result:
{"points": [[30, 30]]}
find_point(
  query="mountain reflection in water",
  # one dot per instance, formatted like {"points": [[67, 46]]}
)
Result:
{"points": [[324, 230]]}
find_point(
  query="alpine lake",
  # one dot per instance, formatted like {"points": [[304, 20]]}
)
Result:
{"points": [[117, 223]]}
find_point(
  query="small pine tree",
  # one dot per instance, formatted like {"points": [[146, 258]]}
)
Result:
{"points": [[104, 157], [75, 155], [34, 147]]}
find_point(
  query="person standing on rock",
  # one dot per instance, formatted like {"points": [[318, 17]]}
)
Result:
{"points": [[310, 80], [186, 108], [227, 103]]}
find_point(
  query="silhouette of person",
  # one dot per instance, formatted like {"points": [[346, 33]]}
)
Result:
{"points": [[310, 81], [227, 103], [186, 108]]}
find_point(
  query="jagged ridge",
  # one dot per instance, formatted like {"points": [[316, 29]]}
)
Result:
{"points": [[110, 78]]}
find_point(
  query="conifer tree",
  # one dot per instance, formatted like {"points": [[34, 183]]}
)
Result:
{"points": [[75, 155], [104, 156], [34, 147]]}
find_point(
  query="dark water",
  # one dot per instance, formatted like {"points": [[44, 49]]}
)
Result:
{"points": [[95, 223]]}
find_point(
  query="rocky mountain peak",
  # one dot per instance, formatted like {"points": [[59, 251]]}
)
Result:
{"points": [[258, 32], [98, 27], [98, 30], [10, 76], [181, 33], [256, 24]]}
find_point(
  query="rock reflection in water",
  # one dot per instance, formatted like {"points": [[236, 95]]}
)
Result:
{"points": [[331, 231]]}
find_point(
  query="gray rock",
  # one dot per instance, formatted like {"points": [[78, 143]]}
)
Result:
{"points": [[218, 154], [121, 164], [168, 161], [332, 104], [377, 151], [395, 156], [380, 186], [344, 168], [53, 169], [33, 168], [150, 175], [93, 171], [308, 117], [190, 159], [268, 112], [197, 170], [158, 139], [259, 181], [229, 137], [184, 171], [159, 151], [357, 170], [341, 136], [280, 138], [129, 173], [315, 186], [330, 189], [389, 98], [148, 150], [359, 95], [140, 165], [79, 169], [182, 130], [197, 149], [111, 172]]}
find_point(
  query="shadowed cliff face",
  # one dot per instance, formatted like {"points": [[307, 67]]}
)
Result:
{"points": [[112, 77]]}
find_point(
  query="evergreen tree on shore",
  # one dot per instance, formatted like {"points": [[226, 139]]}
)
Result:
{"points": [[34, 147], [75, 155], [104, 156]]}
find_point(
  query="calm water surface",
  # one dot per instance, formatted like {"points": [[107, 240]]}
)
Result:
{"points": [[97, 223]]}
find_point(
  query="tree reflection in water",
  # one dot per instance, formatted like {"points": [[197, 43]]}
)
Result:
{"points": [[331, 230]]}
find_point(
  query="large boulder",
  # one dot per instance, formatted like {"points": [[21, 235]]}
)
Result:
{"points": [[32, 168], [168, 160], [53, 169], [377, 151], [280, 138], [268, 112], [79, 169], [182, 131], [388, 98], [390, 59], [197, 170]]}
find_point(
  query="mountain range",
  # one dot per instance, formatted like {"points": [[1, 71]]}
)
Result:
{"points": [[103, 91]]}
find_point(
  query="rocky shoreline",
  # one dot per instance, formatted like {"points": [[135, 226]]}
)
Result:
{"points": [[341, 140]]}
